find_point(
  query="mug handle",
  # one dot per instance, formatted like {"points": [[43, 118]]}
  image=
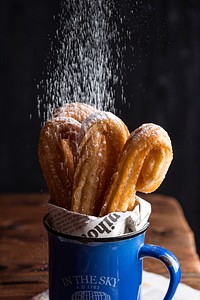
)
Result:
{"points": [[169, 260]]}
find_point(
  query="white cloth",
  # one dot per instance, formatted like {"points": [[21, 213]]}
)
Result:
{"points": [[155, 287]]}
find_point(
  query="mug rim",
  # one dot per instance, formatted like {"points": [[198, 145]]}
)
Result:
{"points": [[85, 239]]}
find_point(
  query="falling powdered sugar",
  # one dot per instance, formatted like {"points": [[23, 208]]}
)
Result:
{"points": [[81, 68]]}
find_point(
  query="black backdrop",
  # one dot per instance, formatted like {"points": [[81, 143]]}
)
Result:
{"points": [[163, 88]]}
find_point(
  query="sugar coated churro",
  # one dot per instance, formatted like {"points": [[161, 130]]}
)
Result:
{"points": [[102, 138], [143, 164], [58, 140]]}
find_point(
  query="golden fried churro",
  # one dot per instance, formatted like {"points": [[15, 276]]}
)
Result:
{"points": [[57, 143], [102, 138], [77, 110], [143, 164]]}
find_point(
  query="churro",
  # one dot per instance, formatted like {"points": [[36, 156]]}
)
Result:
{"points": [[102, 138], [57, 145], [145, 159]]}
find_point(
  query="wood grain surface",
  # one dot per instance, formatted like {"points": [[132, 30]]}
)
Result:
{"points": [[160, 80], [24, 253]]}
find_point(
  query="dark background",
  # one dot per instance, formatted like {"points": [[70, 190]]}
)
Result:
{"points": [[163, 87]]}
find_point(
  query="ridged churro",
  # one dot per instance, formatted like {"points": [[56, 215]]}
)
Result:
{"points": [[102, 138], [143, 164], [57, 145]]}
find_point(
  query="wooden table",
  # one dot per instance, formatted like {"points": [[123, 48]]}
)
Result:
{"points": [[23, 245]]}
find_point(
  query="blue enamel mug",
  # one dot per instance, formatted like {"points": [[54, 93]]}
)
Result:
{"points": [[103, 268]]}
